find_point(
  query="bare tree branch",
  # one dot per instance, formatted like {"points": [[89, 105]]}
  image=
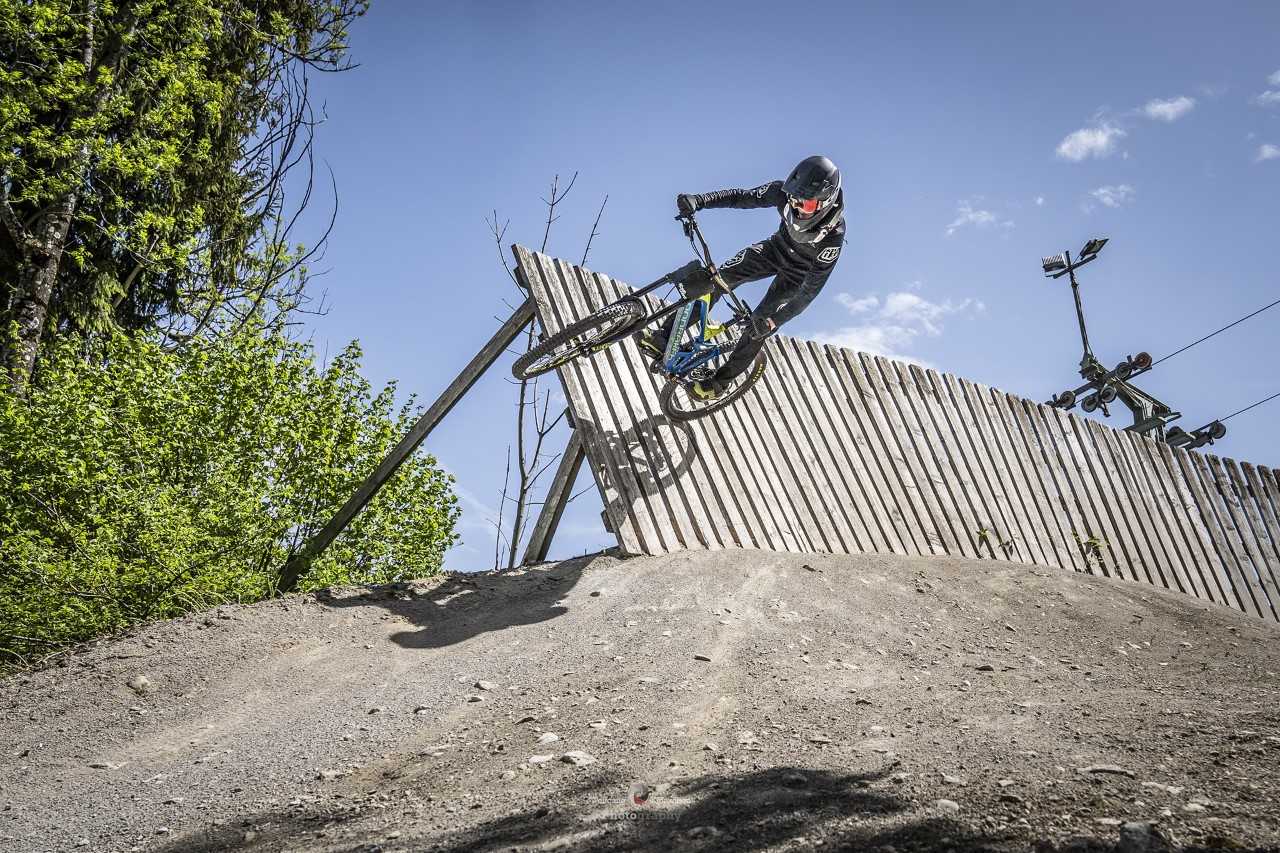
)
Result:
{"points": [[594, 226]]}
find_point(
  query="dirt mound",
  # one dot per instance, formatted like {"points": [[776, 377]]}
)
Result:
{"points": [[723, 701]]}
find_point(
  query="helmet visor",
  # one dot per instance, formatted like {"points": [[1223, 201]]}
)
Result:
{"points": [[804, 207]]}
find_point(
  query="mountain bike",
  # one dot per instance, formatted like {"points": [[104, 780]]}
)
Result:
{"points": [[684, 361]]}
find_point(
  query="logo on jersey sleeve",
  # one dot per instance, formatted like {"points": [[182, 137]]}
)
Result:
{"points": [[736, 259], [761, 191], [829, 254]]}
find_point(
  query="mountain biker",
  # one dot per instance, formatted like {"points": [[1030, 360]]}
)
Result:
{"points": [[800, 257]]}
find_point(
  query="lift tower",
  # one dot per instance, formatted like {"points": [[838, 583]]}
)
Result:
{"points": [[1103, 386]]}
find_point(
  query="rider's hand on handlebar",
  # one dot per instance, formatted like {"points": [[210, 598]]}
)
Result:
{"points": [[686, 203], [761, 327]]}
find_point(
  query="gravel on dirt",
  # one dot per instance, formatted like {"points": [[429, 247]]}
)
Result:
{"points": [[870, 703]]}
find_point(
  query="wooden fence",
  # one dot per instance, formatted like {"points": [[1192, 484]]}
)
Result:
{"points": [[844, 452]]}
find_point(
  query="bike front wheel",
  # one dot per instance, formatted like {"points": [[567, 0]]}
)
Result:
{"points": [[679, 404], [588, 335]]}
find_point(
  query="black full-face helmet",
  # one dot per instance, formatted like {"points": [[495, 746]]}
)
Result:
{"points": [[813, 194]]}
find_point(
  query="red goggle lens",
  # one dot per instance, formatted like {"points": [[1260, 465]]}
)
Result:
{"points": [[805, 205]]}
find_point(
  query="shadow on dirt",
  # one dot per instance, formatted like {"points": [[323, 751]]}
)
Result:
{"points": [[751, 811], [461, 607]]}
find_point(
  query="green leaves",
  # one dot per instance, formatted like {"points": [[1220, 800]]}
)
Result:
{"points": [[150, 483]]}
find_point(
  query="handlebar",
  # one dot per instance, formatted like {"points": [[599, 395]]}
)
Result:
{"points": [[691, 230]]}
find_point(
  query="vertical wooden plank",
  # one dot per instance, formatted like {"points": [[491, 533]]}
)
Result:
{"points": [[1171, 567], [1079, 469], [1171, 507], [623, 399], [893, 433], [950, 485], [622, 515], [960, 446], [748, 462], [1114, 499], [867, 421], [1269, 559], [821, 403], [1268, 505], [1243, 573], [798, 456], [1231, 573], [1192, 520], [1021, 489], [868, 481], [650, 517], [1256, 574], [1062, 500], [952, 524], [694, 488]]}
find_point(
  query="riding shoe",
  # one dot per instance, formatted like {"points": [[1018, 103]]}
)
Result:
{"points": [[652, 342], [708, 389]]}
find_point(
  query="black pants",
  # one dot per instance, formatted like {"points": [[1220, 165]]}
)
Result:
{"points": [[757, 261]]}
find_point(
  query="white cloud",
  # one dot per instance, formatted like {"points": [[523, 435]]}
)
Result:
{"points": [[1039, 201], [1274, 78], [1269, 98], [858, 306], [1168, 110], [1115, 195], [967, 214], [1267, 152], [896, 323], [1097, 141]]}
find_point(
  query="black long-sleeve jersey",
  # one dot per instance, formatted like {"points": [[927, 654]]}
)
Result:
{"points": [[802, 267]]}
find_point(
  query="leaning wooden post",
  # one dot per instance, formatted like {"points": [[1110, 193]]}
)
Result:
{"points": [[298, 565], [557, 496]]}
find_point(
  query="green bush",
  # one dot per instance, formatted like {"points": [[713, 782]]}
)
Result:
{"points": [[142, 484]]}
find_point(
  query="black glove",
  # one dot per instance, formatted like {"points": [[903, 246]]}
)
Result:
{"points": [[687, 203], [759, 328]]}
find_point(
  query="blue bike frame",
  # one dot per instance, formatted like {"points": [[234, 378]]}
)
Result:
{"points": [[679, 360]]}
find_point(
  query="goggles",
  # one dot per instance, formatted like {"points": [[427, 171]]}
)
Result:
{"points": [[806, 206]]}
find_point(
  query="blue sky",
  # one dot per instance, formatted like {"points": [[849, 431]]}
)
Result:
{"points": [[974, 139]]}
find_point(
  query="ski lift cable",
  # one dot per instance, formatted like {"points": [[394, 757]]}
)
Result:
{"points": [[1247, 408], [1211, 334]]}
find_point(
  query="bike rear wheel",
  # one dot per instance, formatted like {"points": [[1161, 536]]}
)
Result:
{"points": [[588, 335], [679, 404]]}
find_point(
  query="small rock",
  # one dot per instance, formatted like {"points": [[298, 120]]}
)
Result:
{"points": [[329, 775], [985, 667], [421, 709], [1010, 798], [1193, 808], [162, 830], [702, 657], [377, 709], [1113, 769], [1005, 783], [172, 801], [948, 779], [1141, 837], [540, 759], [1108, 821], [141, 685], [527, 718], [485, 685], [508, 775], [710, 747], [578, 758], [471, 697], [104, 765], [819, 738], [947, 806], [548, 737], [598, 724]]}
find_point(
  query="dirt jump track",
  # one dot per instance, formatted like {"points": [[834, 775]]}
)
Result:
{"points": [[734, 700]]}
